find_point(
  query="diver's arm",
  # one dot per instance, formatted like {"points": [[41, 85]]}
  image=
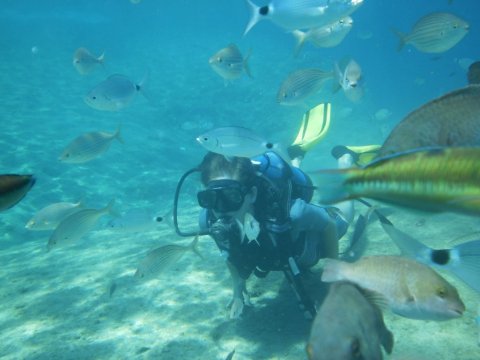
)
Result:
{"points": [[239, 290]]}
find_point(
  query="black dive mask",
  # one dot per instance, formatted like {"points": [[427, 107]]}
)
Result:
{"points": [[223, 196]]}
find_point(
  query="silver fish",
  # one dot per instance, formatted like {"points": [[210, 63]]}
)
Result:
{"points": [[85, 62], [229, 63], [235, 141], [410, 289], [438, 123], [113, 94], [435, 33], [137, 220], [88, 146], [326, 36], [348, 326], [160, 259], [50, 216], [72, 228], [301, 14], [301, 84]]}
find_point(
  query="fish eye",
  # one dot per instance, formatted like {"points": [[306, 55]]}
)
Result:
{"points": [[159, 219], [455, 25], [355, 348], [219, 59], [441, 293], [94, 98], [67, 155]]}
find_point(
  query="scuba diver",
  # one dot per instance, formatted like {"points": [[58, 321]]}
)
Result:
{"points": [[258, 212]]}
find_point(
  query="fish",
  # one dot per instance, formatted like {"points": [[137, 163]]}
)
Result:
{"points": [[348, 78], [89, 146], [301, 84], [326, 36], [409, 288], [114, 93], [348, 326], [85, 62], [50, 216], [73, 227], [229, 63], [13, 188], [305, 14], [450, 120], [463, 260], [238, 141], [230, 355], [473, 74], [137, 220], [428, 179], [435, 33], [158, 260]]}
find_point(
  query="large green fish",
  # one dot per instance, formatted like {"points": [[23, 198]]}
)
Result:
{"points": [[451, 120], [433, 179]]}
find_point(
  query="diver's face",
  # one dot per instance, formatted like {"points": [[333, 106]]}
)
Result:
{"points": [[227, 197]]}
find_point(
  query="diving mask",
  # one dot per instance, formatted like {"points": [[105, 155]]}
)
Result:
{"points": [[222, 195]]}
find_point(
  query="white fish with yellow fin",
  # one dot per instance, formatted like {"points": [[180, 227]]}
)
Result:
{"points": [[410, 289], [88, 146], [229, 63], [435, 33], [50, 216], [85, 62], [73, 227], [160, 259]]}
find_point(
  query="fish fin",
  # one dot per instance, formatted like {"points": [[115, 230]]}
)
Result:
{"points": [[375, 298], [387, 340], [246, 66], [300, 37], [118, 135], [255, 16], [142, 85], [402, 37], [359, 240], [408, 245], [109, 209], [101, 58], [332, 270], [331, 185], [194, 247], [466, 263]]}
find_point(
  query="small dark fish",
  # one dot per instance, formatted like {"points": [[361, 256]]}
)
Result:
{"points": [[474, 73], [230, 355], [348, 326], [439, 123], [13, 188]]}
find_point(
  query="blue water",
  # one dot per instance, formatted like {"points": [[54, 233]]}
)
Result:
{"points": [[42, 109]]}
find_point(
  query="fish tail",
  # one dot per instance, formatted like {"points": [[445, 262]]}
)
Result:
{"points": [[254, 16], [332, 270], [467, 264], [330, 184], [246, 66], [194, 247], [402, 37], [118, 135], [101, 58], [300, 37], [109, 208], [408, 245]]}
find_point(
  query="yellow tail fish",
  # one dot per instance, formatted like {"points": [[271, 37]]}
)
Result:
{"points": [[433, 179]]}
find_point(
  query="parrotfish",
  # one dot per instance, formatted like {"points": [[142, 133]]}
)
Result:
{"points": [[409, 288], [433, 179], [13, 188], [451, 120], [348, 326]]}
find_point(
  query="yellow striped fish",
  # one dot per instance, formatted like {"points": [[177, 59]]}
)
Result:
{"points": [[435, 33], [88, 146], [301, 84], [162, 258], [433, 179]]}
